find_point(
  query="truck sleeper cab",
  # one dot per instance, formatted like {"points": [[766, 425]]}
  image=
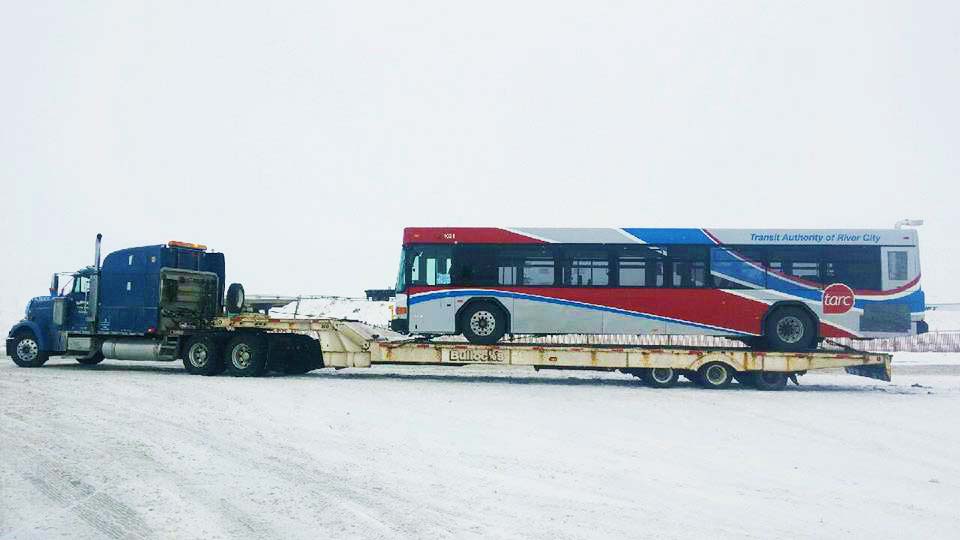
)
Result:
{"points": [[150, 303]]}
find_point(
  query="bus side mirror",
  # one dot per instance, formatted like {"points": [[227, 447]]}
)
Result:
{"points": [[54, 285]]}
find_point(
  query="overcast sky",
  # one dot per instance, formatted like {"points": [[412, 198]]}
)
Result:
{"points": [[300, 137]]}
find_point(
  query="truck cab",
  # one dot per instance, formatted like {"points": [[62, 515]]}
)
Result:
{"points": [[139, 300]]}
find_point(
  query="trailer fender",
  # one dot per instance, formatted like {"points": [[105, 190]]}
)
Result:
{"points": [[34, 328], [733, 360]]}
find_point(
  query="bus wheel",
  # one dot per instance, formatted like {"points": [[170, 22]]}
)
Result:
{"points": [[246, 355], [769, 380], [26, 351], [201, 356], [790, 329], [715, 375], [483, 323], [660, 377]]}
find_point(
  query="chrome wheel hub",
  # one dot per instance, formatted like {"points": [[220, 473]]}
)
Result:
{"points": [[790, 329], [483, 323], [716, 375], [240, 356], [198, 354], [28, 350], [661, 375]]}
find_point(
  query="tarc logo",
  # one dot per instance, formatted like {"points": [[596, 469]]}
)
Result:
{"points": [[837, 298]]}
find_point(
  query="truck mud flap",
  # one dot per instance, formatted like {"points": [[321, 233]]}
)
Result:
{"points": [[876, 371]]}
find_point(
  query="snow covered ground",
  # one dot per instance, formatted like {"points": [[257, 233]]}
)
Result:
{"points": [[146, 451], [338, 307]]}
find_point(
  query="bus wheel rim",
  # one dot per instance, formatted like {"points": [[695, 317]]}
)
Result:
{"points": [[790, 329], [483, 323], [28, 350], [198, 355], [661, 375], [240, 356]]}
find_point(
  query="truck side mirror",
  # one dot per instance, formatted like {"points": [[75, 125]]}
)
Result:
{"points": [[54, 285]]}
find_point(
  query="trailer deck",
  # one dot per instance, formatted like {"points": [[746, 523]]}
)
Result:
{"points": [[346, 343]]}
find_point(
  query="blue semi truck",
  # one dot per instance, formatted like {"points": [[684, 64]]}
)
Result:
{"points": [[155, 303]]}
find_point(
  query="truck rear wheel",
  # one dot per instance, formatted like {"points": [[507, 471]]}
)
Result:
{"points": [[246, 355], [92, 360], [26, 351], [202, 356]]}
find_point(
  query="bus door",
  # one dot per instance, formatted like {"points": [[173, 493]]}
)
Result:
{"points": [[430, 269]]}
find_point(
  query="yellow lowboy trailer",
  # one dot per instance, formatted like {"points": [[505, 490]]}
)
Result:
{"points": [[345, 343]]}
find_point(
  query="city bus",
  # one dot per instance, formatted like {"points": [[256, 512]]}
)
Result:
{"points": [[773, 289]]}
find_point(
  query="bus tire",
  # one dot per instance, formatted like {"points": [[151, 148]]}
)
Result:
{"points": [[235, 298], [715, 375], [790, 329], [246, 355], [201, 356], [26, 350], [483, 323], [660, 377], [769, 380]]}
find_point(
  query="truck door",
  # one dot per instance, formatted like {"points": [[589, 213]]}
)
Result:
{"points": [[77, 305]]}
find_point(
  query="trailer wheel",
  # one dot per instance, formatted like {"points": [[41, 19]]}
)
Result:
{"points": [[483, 323], [769, 380], [660, 377], [26, 351], [201, 356], [92, 360], [246, 355], [790, 329], [715, 375]]}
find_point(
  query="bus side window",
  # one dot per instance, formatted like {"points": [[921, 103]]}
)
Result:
{"points": [[640, 266], [586, 268]]}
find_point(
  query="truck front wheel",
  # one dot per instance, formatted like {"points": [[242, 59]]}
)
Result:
{"points": [[246, 355], [201, 356], [26, 351]]}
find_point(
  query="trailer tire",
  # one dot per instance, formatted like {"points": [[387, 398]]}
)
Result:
{"points": [[92, 360], [483, 323], [246, 355], [660, 377], [769, 380], [715, 375], [202, 356], [790, 329], [235, 298], [26, 350]]}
